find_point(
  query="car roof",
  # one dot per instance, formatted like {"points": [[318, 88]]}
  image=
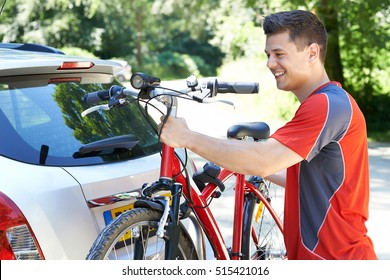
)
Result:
{"points": [[21, 62], [30, 47], [122, 62]]}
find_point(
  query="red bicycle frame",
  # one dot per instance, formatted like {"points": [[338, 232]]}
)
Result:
{"points": [[170, 166]]}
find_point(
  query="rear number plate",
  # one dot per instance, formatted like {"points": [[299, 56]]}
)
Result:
{"points": [[109, 215]]}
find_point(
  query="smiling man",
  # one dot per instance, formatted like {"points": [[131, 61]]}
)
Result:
{"points": [[320, 156]]}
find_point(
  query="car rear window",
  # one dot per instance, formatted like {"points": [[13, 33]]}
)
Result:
{"points": [[41, 123]]}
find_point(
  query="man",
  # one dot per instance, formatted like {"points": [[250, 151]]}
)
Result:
{"points": [[323, 148]]}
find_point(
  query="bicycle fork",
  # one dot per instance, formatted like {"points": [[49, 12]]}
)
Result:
{"points": [[169, 231], [168, 227]]}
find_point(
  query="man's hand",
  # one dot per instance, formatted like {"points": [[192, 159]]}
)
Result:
{"points": [[174, 131]]}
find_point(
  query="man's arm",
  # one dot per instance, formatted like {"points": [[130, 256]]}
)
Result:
{"points": [[278, 178], [252, 158]]}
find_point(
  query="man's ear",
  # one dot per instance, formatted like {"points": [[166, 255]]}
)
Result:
{"points": [[314, 52]]}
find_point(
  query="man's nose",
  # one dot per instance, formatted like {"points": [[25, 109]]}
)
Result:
{"points": [[271, 62]]}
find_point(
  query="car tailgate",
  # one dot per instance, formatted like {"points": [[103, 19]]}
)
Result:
{"points": [[101, 184]]}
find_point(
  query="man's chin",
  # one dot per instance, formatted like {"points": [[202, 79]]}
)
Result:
{"points": [[280, 86]]}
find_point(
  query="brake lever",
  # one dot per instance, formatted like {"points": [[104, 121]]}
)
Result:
{"points": [[220, 101], [104, 107], [114, 102]]}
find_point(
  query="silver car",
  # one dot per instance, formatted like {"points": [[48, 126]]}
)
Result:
{"points": [[125, 74], [64, 177]]}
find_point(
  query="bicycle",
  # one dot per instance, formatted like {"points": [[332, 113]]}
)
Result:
{"points": [[155, 228]]}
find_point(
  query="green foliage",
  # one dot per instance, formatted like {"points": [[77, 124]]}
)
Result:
{"points": [[77, 52], [172, 38], [366, 59], [379, 135], [178, 64], [170, 65]]}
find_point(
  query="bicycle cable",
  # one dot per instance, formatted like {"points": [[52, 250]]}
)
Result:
{"points": [[158, 131]]}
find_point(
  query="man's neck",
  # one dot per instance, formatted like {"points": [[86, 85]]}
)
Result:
{"points": [[305, 92]]}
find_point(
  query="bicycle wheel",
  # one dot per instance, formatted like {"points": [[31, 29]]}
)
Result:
{"points": [[132, 236], [262, 238]]}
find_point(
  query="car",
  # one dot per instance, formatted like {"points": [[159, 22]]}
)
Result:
{"points": [[62, 177], [125, 74]]}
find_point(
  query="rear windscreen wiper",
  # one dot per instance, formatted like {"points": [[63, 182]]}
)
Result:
{"points": [[107, 146]]}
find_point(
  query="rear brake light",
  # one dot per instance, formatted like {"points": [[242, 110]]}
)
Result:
{"points": [[64, 80], [68, 65], [17, 240]]}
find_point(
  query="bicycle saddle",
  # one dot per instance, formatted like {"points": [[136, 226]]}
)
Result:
{"points": [[257, 130]]}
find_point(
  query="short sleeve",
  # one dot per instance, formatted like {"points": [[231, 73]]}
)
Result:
{"points": [[302, 132]]}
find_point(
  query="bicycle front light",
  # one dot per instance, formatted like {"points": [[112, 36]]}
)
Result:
{"points": [[141, 80]]}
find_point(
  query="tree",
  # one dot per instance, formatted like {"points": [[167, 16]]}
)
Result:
{"points": [[327, 10], [171, 36], [358, 56]]}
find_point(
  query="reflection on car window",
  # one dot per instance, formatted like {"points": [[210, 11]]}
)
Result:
{"points": [[21, 111], [44, 125]]}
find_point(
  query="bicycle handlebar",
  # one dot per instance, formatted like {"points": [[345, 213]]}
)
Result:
{"points": [[116, 94], [236, 87], [96, 97]]}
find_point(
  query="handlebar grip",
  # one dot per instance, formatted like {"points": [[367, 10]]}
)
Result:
{"points": [[95, 97], [238, 87]]}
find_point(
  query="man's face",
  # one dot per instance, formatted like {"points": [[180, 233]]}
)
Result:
{"points": [[289, 66]]}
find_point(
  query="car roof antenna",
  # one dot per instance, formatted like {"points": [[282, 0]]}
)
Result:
{"points": [[2, 6]]}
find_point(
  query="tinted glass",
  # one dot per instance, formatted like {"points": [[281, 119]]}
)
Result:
{"points": [[41, 123]]}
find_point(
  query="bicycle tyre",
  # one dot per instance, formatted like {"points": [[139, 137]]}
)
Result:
{"points": [[116, 240], [262, 238]]}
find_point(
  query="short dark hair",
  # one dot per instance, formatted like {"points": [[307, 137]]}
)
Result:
{"points": [[304, 29]]}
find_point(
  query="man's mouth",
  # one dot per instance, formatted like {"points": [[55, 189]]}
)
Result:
{"points": [[279, 73]]}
